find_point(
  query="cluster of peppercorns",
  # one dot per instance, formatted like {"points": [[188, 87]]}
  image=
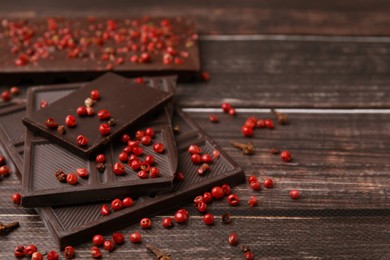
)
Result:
{"points": [[246, 250], [116, 204], [132, 152], [32, 252], [252, 122], [6, 95], [205, 158], [268, 183], [137, 41], [71, 178]]}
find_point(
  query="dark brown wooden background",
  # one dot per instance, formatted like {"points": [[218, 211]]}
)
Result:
{"points": [[327, 63]]}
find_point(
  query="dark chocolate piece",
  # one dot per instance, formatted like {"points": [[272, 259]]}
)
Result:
{"points": [[127, 102], [12, 134], [71, 225], [46, 51]]}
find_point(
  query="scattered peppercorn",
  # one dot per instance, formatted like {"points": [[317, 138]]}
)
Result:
{"points": [[213, 119], [252, 201], [294, 194], [135, 237], [285, 156], [16, 198], [208, 219], [233, 239]]}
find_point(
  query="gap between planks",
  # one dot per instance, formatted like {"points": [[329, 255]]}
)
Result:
{"points": [[291, 110], [309, 38]]}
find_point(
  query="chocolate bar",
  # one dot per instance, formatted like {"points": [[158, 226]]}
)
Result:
{"points": [[123, 100], [72, 225], [53, 50], [40, 187]]}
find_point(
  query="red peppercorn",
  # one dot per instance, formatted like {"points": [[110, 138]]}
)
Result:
{"points": [[233, 239], [82, 172], [158, 148], [70, 121], [96, 253], [105, 210], [269, 123], [123, 157], [154, 172], [252, 201], [116, 204], [226, 107], [194, 149], [127, 202], [98, 240], [248, 255], [207, 197], [260, 123], [213, 119], [268, 183], [226, 189], [103, 114], [118, 168], [81, 111], [43, 104], [181, 216], [2, 160], [118, 238], [16, 198], [52, 255], [251, 122], [208, 219], [149, 159], [294, 194], [206, 158], [285, 156], [125, 138], [179, 176], [135, 164], [71, 178], [252, 178], [135, 237], [82, 140], [137, 150], [95, 94], [145, 57], [196, 159], [145, 223], [19, 252], [217, 192], [146, 140], [90, 111], [202, 206], [5, 171], [232, 112], [6, 95], [69, 252], [255, 185], [167, 222], [203, 169], [139, 134], [139, 80], [51, 123], [149, 132], [142, 174], [100, 158], [15, 90], [216, 154], [37, 256], [109, 245], [205, 76], [198, 199], [247, 131], [104, 129], [30, 250], [233, 200]]}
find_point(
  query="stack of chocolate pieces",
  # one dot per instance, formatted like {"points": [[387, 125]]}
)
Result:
{"points": [[86, 145]]}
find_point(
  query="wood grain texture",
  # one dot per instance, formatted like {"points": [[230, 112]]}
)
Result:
{"points": [[227, 17], [268, 73]]}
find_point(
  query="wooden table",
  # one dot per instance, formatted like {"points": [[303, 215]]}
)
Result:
{"points": [[335, 89]]}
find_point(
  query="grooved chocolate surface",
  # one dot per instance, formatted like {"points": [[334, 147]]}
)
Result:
{"points": [[43, 159], [76, 224], [127, 102]]}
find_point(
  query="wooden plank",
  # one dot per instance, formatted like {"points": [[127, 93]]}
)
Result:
{"points": [[340, 161], [335, 17], [292, 73]]}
